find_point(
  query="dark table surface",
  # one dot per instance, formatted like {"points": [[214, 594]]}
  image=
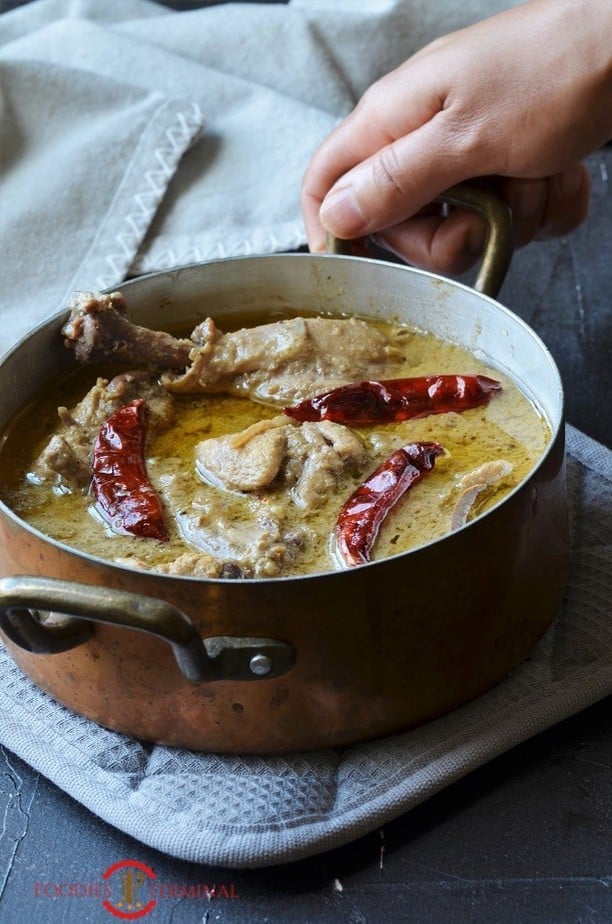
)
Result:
{"points": [[527, 838]]}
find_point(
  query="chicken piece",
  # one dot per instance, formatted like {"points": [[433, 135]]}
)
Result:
{"points": [[99, 329], [279, 363], [198, 564], [286, 361], [318, 454], [66, 459], [189, 564], [309, 459], [245, 461], [259, 547], [248, 535]]}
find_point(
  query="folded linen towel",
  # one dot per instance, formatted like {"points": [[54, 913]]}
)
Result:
{"points": [[106, 171], [79, 189], [252, 811]]}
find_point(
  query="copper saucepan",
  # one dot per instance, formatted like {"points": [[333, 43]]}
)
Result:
{"points": [[300, 662]]}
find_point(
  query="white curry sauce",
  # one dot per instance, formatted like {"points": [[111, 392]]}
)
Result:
{"points": [[508, 429]]}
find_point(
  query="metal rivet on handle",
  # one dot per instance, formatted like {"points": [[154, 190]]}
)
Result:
{"points": [[260, 664]]}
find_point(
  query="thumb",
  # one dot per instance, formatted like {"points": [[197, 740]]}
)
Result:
{"points": [[398, 180]]}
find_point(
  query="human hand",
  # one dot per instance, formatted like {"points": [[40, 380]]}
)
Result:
{"points": [[519, 98]]}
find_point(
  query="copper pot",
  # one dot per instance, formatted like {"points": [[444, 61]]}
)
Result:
{"points": [[305, 662]]}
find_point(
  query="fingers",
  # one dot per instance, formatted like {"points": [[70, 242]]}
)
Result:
{"points": [[471, 105], [541, 209], [369, 147], [443, 245], [567, 203], [333, 158], [549, 207], [392, 184]]}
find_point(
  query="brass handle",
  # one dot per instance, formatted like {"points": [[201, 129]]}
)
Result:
{"points": [[499, 242], [215, 658]]}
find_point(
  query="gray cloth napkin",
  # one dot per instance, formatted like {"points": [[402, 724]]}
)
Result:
{"points": [[136, 139], [252, 811]]}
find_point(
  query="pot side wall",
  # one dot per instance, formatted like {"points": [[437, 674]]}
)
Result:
{"points": [[379, 649]]}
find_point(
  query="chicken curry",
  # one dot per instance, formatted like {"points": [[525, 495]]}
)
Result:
{"points": [[297, 446]]}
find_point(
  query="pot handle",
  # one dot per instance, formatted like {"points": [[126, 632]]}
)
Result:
{"points": [[70, 608], [500, 239]]}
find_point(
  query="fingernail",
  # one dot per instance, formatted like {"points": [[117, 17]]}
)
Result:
{"points": [[571, 181], [341, 214], [317, 244], [529, 199]]}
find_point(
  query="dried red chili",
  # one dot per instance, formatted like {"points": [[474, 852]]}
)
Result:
{"points": [[124, 495], [397, 399], [361, 517]]}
